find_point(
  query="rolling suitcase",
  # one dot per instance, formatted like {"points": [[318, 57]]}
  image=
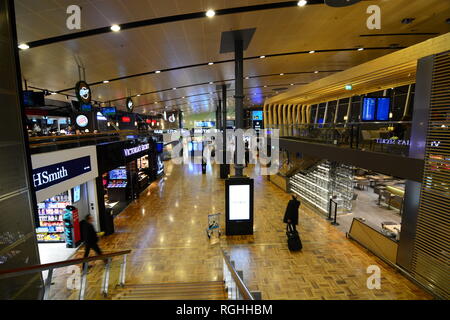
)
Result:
{"points": [[294, 242]]}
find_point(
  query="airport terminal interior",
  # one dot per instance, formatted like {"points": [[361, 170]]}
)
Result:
{"points": [[224, 150]]}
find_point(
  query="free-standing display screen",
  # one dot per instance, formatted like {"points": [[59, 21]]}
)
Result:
{"points": [[383, 109], [369, 107], [239, 202]]}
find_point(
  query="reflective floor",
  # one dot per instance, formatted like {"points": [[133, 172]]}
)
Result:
{"points": [[166, 229]]}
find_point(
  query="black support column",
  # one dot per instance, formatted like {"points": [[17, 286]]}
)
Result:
{"points": [[239, 104], [224, 167], [18, 242]]}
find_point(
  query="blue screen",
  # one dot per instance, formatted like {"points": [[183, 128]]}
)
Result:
{"points": [[109, 111], [86, 107], [76, 194], [159, 147], [257, 115], [369, 105], [118, 174], [383, 109]]}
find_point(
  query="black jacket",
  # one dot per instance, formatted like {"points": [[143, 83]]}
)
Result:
{"points": [[88, 233], [292, 212]]}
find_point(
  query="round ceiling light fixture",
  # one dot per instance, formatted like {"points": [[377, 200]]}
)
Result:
{"points": [[210, 13], [24, 46], [302, 3], [115, 28]]}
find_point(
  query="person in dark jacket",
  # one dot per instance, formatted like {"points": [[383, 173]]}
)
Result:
{"points": [[291, 214], [89, 236]]}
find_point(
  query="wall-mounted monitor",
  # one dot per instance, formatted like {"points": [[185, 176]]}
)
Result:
{"points": [[257, 115], [86, 107], [383, 109], [109, 111], [376, 109], [118, 174], [369, 108]]}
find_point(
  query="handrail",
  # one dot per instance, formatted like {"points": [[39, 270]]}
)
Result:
{"points": [[54, 265], [246, 294]]}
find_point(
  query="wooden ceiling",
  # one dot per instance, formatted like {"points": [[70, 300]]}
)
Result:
{"points": [[158, 47]]}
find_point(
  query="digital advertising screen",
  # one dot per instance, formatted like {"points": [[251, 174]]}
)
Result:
{"points": [[239, 202], [257, 115], [76, 194], [86, 107], [369, 107], [118, 174], [383, 109], [109, 111]]}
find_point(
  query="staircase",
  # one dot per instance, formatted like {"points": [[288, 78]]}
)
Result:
{"points": [[211, 290]]}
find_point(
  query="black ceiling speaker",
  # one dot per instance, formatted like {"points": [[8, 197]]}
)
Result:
{"points": [[340, 3]]}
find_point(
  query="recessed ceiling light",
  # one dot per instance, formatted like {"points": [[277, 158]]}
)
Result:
{"points": [[316, 71], [106, 81], [262, 57], [174, 88], [138, 95], [157, 71], [360, 49], [312, 51], [211, 82], [115, 28], [183, 97], [292, 84], [210, 13], [24, 46], [52, 92], [302, 3], [281, 74], [247, 78], [265, 86], [210, 63]]}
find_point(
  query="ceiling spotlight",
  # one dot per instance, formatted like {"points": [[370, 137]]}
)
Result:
{"points": [[262, 57], [138, 95], [183, 97], [174, 88], [281, 74], [265, 86], [210, 13], [157, 71], [24, 46], [211, 82], [115, 28], [52, 92], [210, 63], [246, 78], [292, 84], [360, 49], [316, 71], [312, 51], [302, 3], [106, 81]]}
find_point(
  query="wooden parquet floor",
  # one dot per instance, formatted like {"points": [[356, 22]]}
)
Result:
{"points": [[166, 229]]}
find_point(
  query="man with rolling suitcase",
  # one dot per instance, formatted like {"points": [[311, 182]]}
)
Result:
{"points": [[291, 220]]}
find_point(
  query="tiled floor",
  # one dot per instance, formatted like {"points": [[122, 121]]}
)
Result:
{"points": [[165, 228]]}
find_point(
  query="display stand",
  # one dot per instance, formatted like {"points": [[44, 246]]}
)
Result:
{"points": [[51, 214], [239, 206]]}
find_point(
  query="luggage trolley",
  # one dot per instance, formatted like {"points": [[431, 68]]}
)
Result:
{"points": [[213, 225]]}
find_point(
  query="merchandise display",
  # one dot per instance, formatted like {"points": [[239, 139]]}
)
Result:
{"points": [[51, 212]]}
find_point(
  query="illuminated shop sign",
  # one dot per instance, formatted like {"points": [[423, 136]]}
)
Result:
{"points": [[56, 173], [83, 92], [131, 151], [400, 142], [82, 121]]}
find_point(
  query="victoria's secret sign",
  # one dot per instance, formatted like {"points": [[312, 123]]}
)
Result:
{"points": [[131, 151]]}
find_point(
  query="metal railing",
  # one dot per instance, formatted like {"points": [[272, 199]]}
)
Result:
{"points": [[234, 281], [386, 137], [50, 267]]}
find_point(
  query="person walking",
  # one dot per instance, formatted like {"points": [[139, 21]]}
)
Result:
{"points": [[291, 214], [89, 236]]}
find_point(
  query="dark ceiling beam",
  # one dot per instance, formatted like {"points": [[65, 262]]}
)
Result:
{"points": [[222, 81], [168, 19], [227, 61]]}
